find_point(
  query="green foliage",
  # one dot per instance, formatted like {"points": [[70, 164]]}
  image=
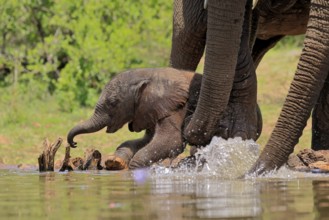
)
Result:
{"points": [[72, 48]]}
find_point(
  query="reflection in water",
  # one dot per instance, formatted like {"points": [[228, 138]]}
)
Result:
{"points": [[108, 195], [165, 193], [206, 197], [321, 198]]}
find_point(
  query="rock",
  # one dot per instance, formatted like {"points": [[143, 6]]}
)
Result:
{"points": [[308, 160], [294, 161], [113, 162], [309, 156], [320, 165], [323, 154]]}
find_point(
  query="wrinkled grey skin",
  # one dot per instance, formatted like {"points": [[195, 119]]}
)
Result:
{"points": [[229, 86], [308, 90], [159, 101], [154, 100], [223, 27]]}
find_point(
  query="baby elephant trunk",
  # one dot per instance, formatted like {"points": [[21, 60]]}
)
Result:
{"points": [[94, 124]]}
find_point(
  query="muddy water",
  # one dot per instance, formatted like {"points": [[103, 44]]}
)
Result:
{"points": [[163, 193]]}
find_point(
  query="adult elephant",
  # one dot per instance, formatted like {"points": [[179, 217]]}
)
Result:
{"points": [[308, 90], [229, 86], [220, 28], [235, 46]]}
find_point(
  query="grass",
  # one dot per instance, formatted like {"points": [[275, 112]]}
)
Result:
{"points": [[25, 122], [24, 125]]}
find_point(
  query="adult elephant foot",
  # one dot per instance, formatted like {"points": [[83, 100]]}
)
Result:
{"points": [[115, 163], [241, 120], [242, 117]]}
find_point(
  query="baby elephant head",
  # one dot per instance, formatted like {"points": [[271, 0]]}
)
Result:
{"points": [[138, 97]]}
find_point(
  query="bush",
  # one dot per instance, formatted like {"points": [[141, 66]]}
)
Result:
{"points": [[72, 48]]}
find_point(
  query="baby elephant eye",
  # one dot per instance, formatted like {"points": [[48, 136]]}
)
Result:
{"points": [[114, 103]]}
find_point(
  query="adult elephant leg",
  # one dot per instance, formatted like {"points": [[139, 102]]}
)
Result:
{"points": [[189, 34], [304, 91], [224, 28], [242, 115], [126, 151], [166, 143], [320, 120]]}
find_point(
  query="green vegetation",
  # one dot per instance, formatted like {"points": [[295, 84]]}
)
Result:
{"points": [[72, 48], [56, 56]]}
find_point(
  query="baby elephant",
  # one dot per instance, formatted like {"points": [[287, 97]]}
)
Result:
{"points": [[154, 100], [160, 101]]}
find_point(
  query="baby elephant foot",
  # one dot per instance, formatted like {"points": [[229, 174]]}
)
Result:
{"points": [[115, 163]]}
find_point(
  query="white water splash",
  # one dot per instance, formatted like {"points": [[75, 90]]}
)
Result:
{"points": [[223, 158], [228, 158]]}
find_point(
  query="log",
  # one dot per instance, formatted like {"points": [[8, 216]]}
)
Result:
{"points": [[46, 159], [66, 161], [92, 160]]}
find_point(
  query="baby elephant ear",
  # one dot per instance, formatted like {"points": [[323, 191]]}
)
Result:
{"points": [[139, 88], [157, 99]]}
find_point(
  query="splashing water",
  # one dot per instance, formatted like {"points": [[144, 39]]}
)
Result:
{"points": [[228, 158], [224, 158]]}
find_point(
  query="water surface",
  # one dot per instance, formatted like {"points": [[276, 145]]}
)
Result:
{"points": [[163, 193]]}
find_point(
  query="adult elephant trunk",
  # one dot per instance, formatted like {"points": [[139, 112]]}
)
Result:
{"points": [[98, 121], [309, 79], [224, 28]]}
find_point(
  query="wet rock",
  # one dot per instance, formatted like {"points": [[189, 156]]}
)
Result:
{"points": [[308, 159], [320, 165], [113, 162], [295, 161], [309, 156]]}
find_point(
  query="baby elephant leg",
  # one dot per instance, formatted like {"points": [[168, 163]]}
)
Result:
{"points": [[166, 143], [125, 152]]}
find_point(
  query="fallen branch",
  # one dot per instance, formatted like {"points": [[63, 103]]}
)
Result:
{"points": [[66, 161], [47, 157], [92, 160]]}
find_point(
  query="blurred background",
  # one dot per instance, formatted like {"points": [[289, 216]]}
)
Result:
{"points": [[57, 55]]}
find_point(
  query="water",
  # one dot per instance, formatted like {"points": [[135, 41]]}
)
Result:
{"points": [[163, 193]]}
